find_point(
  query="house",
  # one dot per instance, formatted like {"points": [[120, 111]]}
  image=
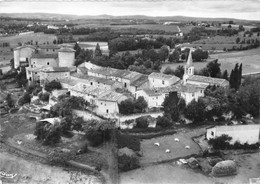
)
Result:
{"points": [[242, 133], [154, 98], [33, 74], [190, 78], [107, 103], [48, 49], [54, 73], [22, 55], [40, 60], [66, 57], [139, 83], [162, 80]]}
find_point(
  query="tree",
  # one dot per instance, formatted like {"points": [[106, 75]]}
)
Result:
{"points": [[163, 121], [174, 57], [44, 96], [199, 55], [142, 122], [9, 100], [126, 107], [213, 68], [221, 142], [26, 98], [168, 71], [52, 85], [21, 77], [237, 40], [235, 77], [98, 51], [54, 41], [77, 49], [140, 105], [195, 111], [170, 106], [225, 75], [12, 63]]}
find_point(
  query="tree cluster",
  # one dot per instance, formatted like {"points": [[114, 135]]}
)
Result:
{"points": [[130, 106], [50, 86], [236, 77]]}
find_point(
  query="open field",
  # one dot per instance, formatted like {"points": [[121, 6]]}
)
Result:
{"points": [[153, 154], [249, 58], [40, 37], [248, 167]]}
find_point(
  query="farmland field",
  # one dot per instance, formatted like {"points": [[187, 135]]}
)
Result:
{"points": [[40, 37], [249, 58]]}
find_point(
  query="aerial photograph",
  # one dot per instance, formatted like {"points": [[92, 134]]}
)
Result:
{"points": [[129, 92]]}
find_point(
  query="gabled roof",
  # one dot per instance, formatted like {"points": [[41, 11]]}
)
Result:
{"points": [[91, 90], [25, 46], [132, 75], [111, 96], [139, 81], [34, 55], [210, 80], [69, 81], [84, 70], [66, 49], [189, 88]]}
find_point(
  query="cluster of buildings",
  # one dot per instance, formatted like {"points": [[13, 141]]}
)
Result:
{"points": [[100, 85]]}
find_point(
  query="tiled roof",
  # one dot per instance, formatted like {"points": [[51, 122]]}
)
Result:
{"points": [[69, 81], [160, 90], [132, 75], [162, 76], [189, 88], [25, 46], [84, 70], [139, 81], [91, 90], [92, 78], [44, 55], [210, 80], [66, 49], [110, 72], [111, 96]]}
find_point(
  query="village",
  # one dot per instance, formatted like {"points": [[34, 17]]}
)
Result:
{"points": [[114, 114]]}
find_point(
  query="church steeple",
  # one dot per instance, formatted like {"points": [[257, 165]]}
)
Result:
{"points": [[188, 68]]}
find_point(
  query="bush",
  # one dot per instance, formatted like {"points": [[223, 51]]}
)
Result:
{"points": [[142, 122], [125, 140], [44, 96], [52, 85], [26, 98], [163, 122], [126, 162], [221, 142]]}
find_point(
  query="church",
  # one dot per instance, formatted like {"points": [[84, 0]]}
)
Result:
{"points": [[190, 78]]}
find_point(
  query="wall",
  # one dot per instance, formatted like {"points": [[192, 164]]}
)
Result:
{"points": [[54, 75], [49, 51], [249, 136], [152, 101], [66, 59], [106, 107], [154, 82], [188, 97], [41, 62], [22, 54]]}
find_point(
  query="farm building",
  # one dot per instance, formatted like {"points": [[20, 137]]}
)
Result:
{"points": [[22, 55], [242, 133]]}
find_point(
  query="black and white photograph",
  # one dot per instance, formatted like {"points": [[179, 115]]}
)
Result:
{"points": [[129, 92]]}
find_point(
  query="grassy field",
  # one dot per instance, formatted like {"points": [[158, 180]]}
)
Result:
{"points": [[39, 37], [152, 153], [249, 58], [172, 173]]}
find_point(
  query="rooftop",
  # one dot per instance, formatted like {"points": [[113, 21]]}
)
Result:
{"points": [[189, 88], [66, 49], [69, 82], [92, 78], [164, 76], [25, 46], [91, 90], [132, 75], [84, 70], [34, 55], [210, 80], [139, 81], [237, 127], [111, 96]]}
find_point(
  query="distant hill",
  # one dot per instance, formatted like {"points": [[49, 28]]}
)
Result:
{"points": [[52, 16]]}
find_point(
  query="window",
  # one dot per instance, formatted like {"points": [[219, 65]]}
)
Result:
{"points": [[91, 83], [26, 59], [201, 91], [163, 82], [53, 50], [101, 103], [35, 72], [48, 63], [107, 110], [125, 84], [212, 133], [192, 94], [47, 50]]}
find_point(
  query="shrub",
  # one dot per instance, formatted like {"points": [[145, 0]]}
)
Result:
{"points": [[142, 122], [163, 122], [52, 85], [44, 96], [221, 142], [125, 140], [26, 98], [126, 162]]}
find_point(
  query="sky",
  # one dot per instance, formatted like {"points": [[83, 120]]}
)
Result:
{"points": [[241, 9]]}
